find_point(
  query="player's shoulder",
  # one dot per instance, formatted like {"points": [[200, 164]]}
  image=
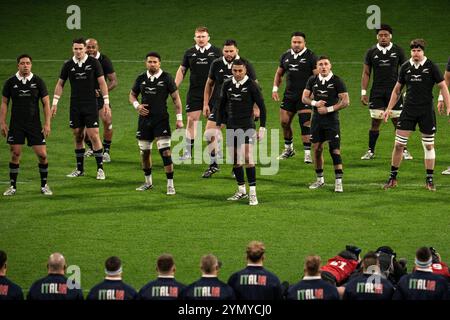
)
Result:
{"points": [[142, 76], [68, 62], [336, 78], [166, 75], [216, 50], [104, 57], [12, 79], [313, 78], [310, 53], [397, 48], [286, 54], [227, 82]]}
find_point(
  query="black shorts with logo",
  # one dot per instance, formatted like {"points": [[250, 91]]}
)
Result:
{"points": [[293, 105], [237, 137], [425, 119], [194, 101], [322, 131], [379, 99], [84, 116], [32, 132], [149, 129]]}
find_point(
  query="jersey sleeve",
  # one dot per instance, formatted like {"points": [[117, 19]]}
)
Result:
{"points": [[64, 72], [310, 83], [137, 86], [211, 73], [368, 58], [340, 86], [107, 66], [437, 74], [221, 106], [250, 71], [281, 62], [401, 56], [185, 61], [98, 69], [259, 100], [402, 74], [43, 92], [6, 92], [313, 61]]}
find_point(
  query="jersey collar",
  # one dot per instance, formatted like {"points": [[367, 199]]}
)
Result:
{"points": [[312, 277], [208, 276], [385, 49], [154, 76], [296, 55], [24, 79], [424, 269], [166, 277], [97, 55], [421, 63], [204, 48], [254, 264], [327, 78], [80, 62], [229, 64], [113, 279], [239, 83]]}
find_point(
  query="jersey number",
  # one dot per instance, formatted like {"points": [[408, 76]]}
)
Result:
{"points": [[340, 264]]}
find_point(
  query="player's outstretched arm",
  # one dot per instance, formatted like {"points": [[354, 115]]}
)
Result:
{"points": [[140, 108], [181, 72], [440, 104], [178, 109], [364, 84], [277, 80], [209, 87], [112, 81], [444, 92], [3, 111], [395, 95], [104, 89], [47, 116], [56, 95]]}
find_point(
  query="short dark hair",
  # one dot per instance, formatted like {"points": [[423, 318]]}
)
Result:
{"points": [[312, 264], [385, 27], [113, 264], [3, 258], [370, 259], [79, 41], [165, 262], [255, 251], [209, 263], [423, 254], [323, 58], [153, 54], [417, 43], [298, 34], [24, 56], [230, 42], [239, 62]]}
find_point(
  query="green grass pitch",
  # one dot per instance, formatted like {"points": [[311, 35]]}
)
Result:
{"points": [[88, 220]]}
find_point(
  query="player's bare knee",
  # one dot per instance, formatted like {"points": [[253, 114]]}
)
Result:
{"points": [[15, 156]]}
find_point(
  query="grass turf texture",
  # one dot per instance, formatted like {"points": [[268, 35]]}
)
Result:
{"points": [[89, 220]]}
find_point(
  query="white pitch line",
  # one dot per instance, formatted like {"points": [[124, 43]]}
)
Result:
{"points": [[178, 61]]}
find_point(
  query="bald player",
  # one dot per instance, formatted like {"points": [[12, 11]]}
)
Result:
{"points": [[55, 286], [92, 49]]}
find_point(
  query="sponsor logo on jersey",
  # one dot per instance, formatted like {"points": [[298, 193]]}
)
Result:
{"points": [[426, 70], [33, 86], [160, 83], [228, 76], [322, 91], [236, 95], [416, 77], [384, 61], [88, 67], [302, 60], [330, 86], [24, 91], [244, 89], [202, 61], [149, 90], [210, 54], [393, 55]]}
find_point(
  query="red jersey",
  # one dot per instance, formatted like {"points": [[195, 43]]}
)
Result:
{"points": [[340, 268]]}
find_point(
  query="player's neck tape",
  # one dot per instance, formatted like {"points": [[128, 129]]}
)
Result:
{"points": [[422, 264], [113, 273]]}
